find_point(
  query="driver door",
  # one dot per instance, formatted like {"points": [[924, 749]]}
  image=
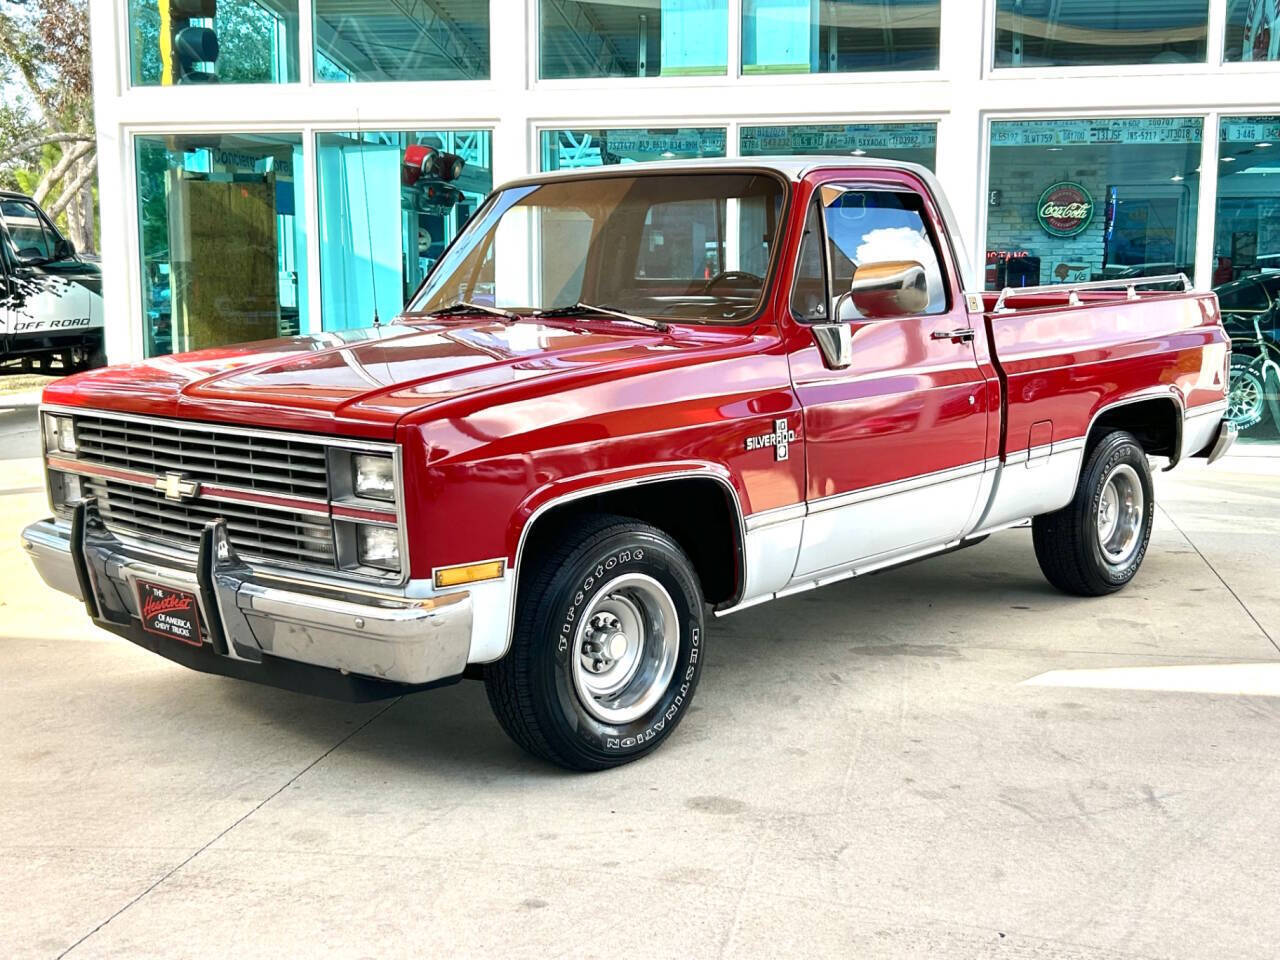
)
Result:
{"points": [[896, 437]]}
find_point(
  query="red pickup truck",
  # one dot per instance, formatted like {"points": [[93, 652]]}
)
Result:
{"points": [[623, 400]]}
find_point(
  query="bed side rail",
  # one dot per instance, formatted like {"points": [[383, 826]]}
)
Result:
{"points": [[1071, 291]]}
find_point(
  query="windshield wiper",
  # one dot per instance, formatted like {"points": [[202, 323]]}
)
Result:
{"points": [[580, 308], [467, 306]]}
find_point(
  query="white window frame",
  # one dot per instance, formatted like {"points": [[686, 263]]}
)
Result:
{"points": [[963, 96]]}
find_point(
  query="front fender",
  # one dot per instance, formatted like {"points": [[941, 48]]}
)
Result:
{"points": [[568, 489]]}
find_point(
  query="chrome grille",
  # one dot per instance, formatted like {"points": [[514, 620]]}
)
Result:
{"points": [[256, 532], [259, 462]]}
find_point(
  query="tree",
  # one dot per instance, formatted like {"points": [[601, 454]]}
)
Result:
{"points": [[246, 33], [47, 145]]}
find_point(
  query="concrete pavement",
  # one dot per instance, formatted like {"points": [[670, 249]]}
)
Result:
{"points": [[866, 772]]}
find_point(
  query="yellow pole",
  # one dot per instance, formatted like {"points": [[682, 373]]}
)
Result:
{"points": [[166, 44]]}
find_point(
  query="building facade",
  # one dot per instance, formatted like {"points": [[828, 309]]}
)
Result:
{"points": [[259, 158]]}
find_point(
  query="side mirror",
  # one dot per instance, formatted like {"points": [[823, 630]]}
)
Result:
{"points": [[886, 289], [879, 291], [66, 250]]}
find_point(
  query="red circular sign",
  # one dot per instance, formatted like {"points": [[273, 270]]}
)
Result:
{"points": [[1065, 209]]}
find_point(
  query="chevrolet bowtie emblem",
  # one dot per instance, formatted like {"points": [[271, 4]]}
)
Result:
{"points": [[176, 486]]}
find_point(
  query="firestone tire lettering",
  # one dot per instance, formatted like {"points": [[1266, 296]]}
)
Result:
{"points": [[532, 689]]}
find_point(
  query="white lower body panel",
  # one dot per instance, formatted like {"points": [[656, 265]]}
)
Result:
{"points": [[1032, 482], [1199, 427], [882, 522]]}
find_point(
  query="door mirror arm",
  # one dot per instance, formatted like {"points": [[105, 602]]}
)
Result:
{"points": [[835, 343]]}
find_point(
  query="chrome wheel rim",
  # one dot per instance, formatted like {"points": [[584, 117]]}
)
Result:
{"points": [[625, 649], [1120, 513], [1244, 399]]}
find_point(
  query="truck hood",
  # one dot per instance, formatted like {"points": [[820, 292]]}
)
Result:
{"points": [[363, 381]]}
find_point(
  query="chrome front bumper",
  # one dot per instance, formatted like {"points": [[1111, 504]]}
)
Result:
{"points": [[256, 626]]}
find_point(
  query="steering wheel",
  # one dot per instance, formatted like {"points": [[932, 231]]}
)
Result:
{"points": [[725, 275]]}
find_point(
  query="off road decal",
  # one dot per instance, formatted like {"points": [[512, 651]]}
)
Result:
{"points": [[69, 322]]}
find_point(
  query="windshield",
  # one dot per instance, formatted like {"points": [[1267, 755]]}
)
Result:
{"points": [[682, 247]]}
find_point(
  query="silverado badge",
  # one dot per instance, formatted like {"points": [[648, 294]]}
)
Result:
{"points": [[781, 439]]}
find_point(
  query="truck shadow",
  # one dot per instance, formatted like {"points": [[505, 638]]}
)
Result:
{"points": [[907, 612]]}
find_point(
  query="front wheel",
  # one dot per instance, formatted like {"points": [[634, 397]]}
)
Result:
{"points": [[1095, 544], [607, 649]]}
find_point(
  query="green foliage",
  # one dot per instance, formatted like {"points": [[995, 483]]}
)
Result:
{"points": [[247, 34], [18, 123], [46, 73]]}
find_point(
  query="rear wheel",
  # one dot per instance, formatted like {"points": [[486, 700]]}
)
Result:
{"points": [[1095, 544], [607, 649]]}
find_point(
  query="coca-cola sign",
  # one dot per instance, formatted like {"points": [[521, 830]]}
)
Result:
{"points": [[1065, 209]]}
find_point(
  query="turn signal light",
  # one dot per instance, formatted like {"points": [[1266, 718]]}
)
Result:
{"points": [[469, 573]]}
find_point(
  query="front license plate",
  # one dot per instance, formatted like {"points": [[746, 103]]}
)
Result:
{"points": [[169, 613]]}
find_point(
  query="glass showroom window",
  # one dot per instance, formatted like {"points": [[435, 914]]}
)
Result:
{"points": [[633, 38], [570, 149], [213, 41], [839, 36], [1253, 30], [1246, 276], [389, 204], [391, 40], [1048, 33], [1075, 200], [223, 251], [913, 142]]}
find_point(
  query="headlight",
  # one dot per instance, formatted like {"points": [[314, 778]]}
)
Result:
{"points": [[59, 434], [374, 476], [378, 547]]}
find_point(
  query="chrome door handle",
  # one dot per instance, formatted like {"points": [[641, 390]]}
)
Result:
{"points": [[958, 335]]}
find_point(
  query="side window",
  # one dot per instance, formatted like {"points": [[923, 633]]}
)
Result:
{"points": [[870, 226], [809, 291], [28, 234]]}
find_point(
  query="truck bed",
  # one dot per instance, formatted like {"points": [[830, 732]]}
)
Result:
{"points": [[1062, 353]]}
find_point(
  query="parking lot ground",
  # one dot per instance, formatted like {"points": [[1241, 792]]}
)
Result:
{"points": [[946, 760]]}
